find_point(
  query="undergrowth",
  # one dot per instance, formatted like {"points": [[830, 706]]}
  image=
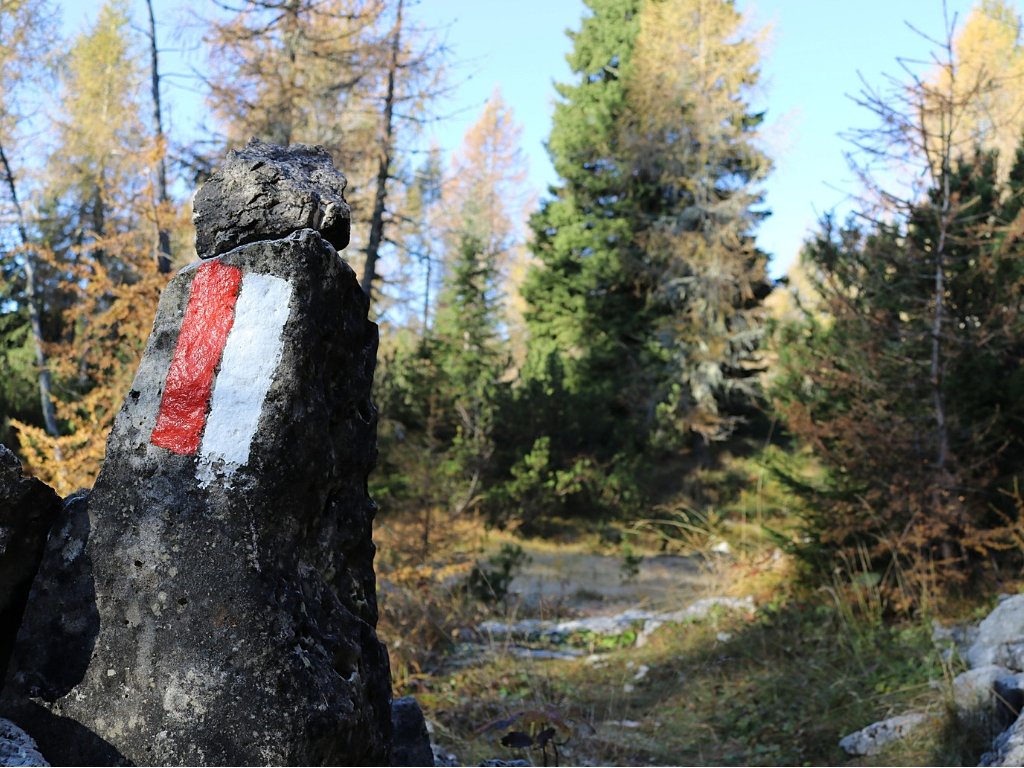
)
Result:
{"points": [[776, 686], [779, 687]]}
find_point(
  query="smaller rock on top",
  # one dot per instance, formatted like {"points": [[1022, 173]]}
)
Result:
{"points": [[265, 192]]}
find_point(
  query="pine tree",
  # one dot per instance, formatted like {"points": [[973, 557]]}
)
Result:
{"points": [[927, 500], [647, 293], [585, 318]]}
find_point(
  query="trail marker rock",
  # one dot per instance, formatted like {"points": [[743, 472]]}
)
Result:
{"points": [[228, 537]]}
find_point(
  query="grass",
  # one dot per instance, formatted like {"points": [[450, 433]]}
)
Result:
{"points": [[779, 686], [776, 688]]}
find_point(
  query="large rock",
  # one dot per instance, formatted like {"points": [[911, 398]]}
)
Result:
{"points": [[28, 508], [264, 191], [228, 537], [974, 691], [1000, 638]]}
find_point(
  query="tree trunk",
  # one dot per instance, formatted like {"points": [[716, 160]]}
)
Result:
{"points": [[163, 256], [376, 237], [34, 315]]}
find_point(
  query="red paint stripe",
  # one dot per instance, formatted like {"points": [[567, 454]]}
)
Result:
{"points": [[208, 318]]}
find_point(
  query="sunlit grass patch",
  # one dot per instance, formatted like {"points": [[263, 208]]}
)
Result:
{"points": [[779, 688]]}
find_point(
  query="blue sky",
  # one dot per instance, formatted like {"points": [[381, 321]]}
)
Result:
{"points": [[814, 52], [811, 63]]}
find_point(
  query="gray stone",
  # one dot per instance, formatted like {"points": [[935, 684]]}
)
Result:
{"points": [[1008, 748], [28, 508], [1000, 638], [410, 743], [871, 740], [235, 604], [617, 624], [264, 191], [17, 748], [953, 639], [974, 691], [444, 758]]}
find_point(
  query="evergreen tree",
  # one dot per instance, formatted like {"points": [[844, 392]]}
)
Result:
{"points": [[644, 304], [440, 388], [589, 327], [855, 383]]}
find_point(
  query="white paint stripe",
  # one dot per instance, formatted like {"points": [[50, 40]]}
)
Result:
{"points": [[251, 354]]}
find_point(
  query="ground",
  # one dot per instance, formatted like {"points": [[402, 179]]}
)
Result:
{"points": [[779, 685]]}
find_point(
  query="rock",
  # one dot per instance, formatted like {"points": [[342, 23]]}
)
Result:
{"points": [[228, 536], [264, 192], [974, 690], [62, 621], [634, 619], [1008, 748], [871, 740], [28, 508], [956, 638], [17, 748], [1009, 698], [444, 759], [1000, 638], [410, 741]]}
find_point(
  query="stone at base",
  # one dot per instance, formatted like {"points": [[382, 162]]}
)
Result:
{"points": [[17, 749], [410, 744]]}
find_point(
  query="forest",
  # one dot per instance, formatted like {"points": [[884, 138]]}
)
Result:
{"points": [[844, 445]]}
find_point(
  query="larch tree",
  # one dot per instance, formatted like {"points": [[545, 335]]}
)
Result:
{"points": [[27, 34], [98, 227], [690, 137], [163, 201], [988, 56], [350, 75]]}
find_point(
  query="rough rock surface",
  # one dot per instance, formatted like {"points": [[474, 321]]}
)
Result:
{"points": [[1000, 638], [974, 691], [264, 191], [1008, 748], [232, 566], [871, 740], [17, 748], [410, 739], [28, 508]]}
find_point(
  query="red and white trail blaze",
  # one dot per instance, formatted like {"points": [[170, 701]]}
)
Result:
{"points": [[228, 348]]}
